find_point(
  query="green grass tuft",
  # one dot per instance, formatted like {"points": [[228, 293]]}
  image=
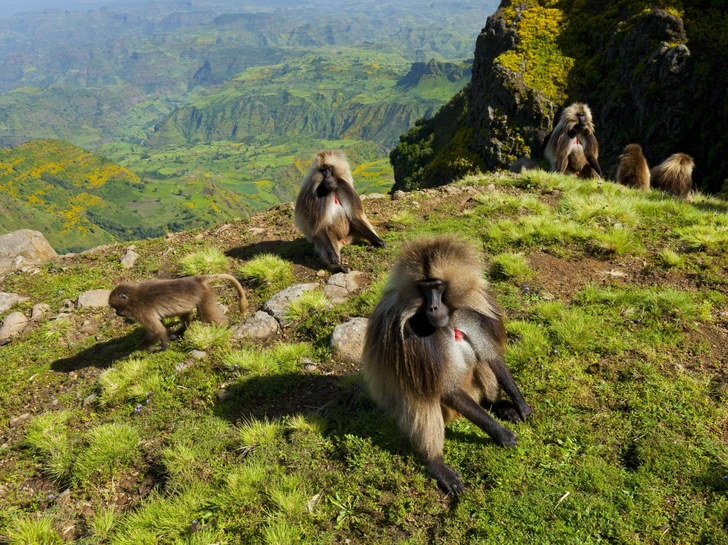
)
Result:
{"points": [[201, 336], [31, 530], [268, 271], [509, 266], [207, 261], [111, 447], [49, 436], [129, 381], [310, 302], [670, 259], [282, 358], [258, 433]]}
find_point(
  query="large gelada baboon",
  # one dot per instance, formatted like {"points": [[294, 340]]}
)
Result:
{"points": [[151, 301], [633, 170], [573, 145], [674, 175], [328, 210], [434, 347]]}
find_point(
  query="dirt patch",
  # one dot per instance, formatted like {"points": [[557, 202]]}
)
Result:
{"points": [[563, 278]]}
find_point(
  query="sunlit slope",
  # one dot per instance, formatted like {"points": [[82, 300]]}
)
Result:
{"points": [[79, 200]]}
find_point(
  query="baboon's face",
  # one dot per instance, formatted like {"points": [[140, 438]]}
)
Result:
{"points": [[581, 116], [329, 179], [119, 300], [437, 312]]}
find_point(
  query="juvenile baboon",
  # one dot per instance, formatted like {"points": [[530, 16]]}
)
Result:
{"points": [[674, 175], [434, 347], [328, 210], [572, 144], [151, 301], [632, 170]]}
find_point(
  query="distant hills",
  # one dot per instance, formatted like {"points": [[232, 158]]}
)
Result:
{"points": [[79, 200]]}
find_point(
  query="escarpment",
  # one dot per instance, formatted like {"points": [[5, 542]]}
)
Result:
{"points": [[651, 74]]}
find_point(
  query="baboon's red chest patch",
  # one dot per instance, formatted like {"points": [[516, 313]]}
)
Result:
{"points": [[576, 141], [459, 335], [336, 199]]}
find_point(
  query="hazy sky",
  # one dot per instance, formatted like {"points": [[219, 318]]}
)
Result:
{"points": [[8, 7]]}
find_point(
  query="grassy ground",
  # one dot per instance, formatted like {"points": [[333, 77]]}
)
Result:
{"points": [[617, 333]]}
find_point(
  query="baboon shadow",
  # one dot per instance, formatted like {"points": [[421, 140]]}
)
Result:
{"points": [[342, 403], [721, 208], [100, 355], [298, 251], [345, 408]]}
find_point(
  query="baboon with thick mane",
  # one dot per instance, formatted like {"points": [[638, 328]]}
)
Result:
{"points": [[674, 175], [151, 301], [572, 144], [633, 170], [434, 348], [329, 212]]}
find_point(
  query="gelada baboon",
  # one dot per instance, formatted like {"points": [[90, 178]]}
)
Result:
{"points": [[632, 170], [674, 175], [572, 144], [151, 301], [328, 210], [434, 347]]}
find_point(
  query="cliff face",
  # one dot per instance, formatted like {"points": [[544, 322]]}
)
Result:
{"points": [[652, 74]]}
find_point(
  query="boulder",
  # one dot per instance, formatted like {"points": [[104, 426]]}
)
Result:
{"points": [[7, 300], [13, 325], [259, 326], [39, 310], [23, 248], [129, 258], [341, 287], [347, 340], [93, 299], [277, 305]]}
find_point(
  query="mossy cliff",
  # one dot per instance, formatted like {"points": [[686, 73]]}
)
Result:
{"points": [[653, 72]]}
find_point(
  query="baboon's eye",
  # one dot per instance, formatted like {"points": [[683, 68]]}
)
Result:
{"points": [[123, 297]]}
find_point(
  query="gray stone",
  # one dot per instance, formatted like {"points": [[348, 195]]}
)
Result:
{"points": [[13, 325], [7, 300], [259, 326], [129, 258], [256, 231], [309, 365], [68, 306], [277, 305], [341, 287], [373, 196], [24, 248], [347, 341], [198, 354], [18, 420], [90, 400], [522, 164], [398, 195], [39, 310], [93, 299]]}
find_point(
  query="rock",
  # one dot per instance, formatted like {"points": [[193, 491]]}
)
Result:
{"points": [[224, 394], [523, 163], [93, 299], [129, 258], [374, 196], [259, 326], [398, 195], [341, 287], [13, 325], [64, 498], [181, 366], [39, 310], [347, 341], [68, 306], [23, 248], [7, 300], [321, 273], [490, 187], [90, 400], [90, 326], [224, 310], [277, 305], [199, 236], [256, 231], [309, 365], [198, 354], [18, 420]]}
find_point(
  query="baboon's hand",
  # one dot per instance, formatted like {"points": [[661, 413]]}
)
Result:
{"points": [[447, 478], [506, 438]]}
